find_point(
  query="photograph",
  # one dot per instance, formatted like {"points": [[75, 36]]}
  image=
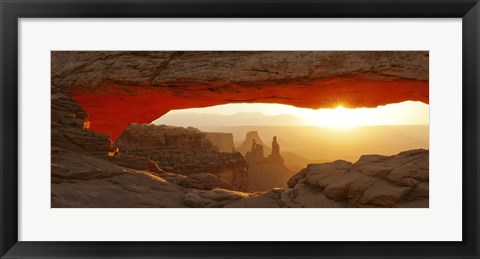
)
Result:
{"points": [[240, 129]]}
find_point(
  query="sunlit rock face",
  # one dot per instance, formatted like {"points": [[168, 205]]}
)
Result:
{"points": [[118, 88]]}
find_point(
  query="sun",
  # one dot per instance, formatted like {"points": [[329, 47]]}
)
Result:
{"points": [[341, 118], [337, 118]]}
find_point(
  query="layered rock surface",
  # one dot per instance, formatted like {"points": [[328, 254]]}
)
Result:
{"points": [[118, 88], [87, 170], [91, 180], [69, 127], [373, 181], [185, 151]]}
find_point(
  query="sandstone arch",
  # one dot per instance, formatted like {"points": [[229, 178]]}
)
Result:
{"points": [[118, 88]]}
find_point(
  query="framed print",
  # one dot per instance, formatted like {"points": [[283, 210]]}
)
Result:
{"points": [[182, 129]]}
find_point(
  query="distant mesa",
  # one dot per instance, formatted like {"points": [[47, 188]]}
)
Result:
{"points": [[143, 136], [224, 141], [251, 137]]}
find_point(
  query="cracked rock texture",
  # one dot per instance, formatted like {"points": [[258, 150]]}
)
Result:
{"points": [[373, 181]]}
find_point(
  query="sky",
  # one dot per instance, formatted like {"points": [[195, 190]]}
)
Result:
{"points": [[405, 113]]}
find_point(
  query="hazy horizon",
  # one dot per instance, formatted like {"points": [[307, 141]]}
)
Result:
{"points": [[241, 114], [385, 130]]}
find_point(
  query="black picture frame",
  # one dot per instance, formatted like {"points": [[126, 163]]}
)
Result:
{"points": [[12, 10]]}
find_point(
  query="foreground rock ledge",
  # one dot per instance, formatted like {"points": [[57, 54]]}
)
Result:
{"points": [[85, 180]]}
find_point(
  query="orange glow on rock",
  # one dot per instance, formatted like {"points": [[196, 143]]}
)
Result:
{"points": [[112, 108]]}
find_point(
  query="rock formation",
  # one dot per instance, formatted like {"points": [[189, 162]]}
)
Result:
{"points": [[265, 173], [275, 156], [185, 151], [118, 88], [255, 155], [69, 127], [373, 181], [144, 136], [87, 170], [91, 181], [291, 160], [250, 138], [224, 141]]}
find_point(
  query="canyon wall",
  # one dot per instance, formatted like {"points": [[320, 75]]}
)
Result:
{"points": [[224, 141], [69, 127], [141, 136], [185, 151], [87, 169]]}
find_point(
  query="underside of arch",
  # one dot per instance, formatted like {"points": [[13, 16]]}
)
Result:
{"points": [[118, 88]]}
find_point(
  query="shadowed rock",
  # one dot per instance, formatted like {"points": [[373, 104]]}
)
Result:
{"points": [[185, 151]]}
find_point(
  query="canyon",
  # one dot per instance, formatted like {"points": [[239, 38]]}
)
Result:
{"points": [[89, 171], [104, 153]]}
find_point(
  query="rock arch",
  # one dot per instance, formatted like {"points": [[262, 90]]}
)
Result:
{"points": [[118, 88]]}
